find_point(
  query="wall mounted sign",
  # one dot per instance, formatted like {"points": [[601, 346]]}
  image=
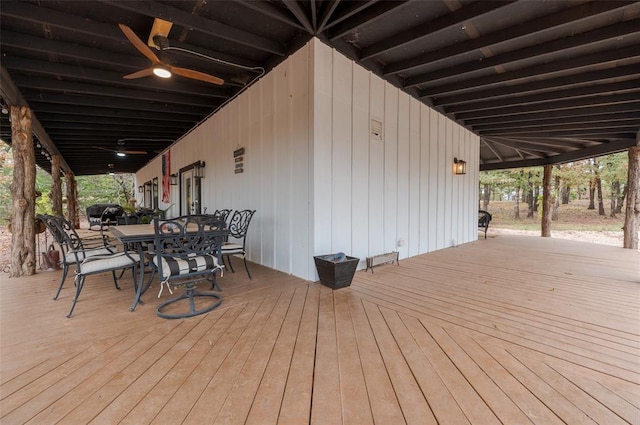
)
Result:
{"points": [[238, 158]]}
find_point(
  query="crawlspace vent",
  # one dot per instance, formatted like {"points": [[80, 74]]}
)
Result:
{"points": [[376, 130]]}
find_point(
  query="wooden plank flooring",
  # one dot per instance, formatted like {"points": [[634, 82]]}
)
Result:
{"points": [[508, 330]]}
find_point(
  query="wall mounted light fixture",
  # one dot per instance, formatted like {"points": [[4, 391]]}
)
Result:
{"points": [[140, 189], [173, 179], [198, 169], [459, 166]]}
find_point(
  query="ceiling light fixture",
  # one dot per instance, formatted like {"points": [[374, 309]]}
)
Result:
{"points": [[161, 71], [121, 154]]}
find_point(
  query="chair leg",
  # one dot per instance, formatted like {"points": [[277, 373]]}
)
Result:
{"points": [[115, 279], [230, 265], [79, 285], [246, 267], [65, 270]]}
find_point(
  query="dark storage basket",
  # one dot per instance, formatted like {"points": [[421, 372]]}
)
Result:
{"points": [[336, 274]]}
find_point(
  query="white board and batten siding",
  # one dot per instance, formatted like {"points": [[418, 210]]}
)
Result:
{"points": [[397, 192], [320, 182]]}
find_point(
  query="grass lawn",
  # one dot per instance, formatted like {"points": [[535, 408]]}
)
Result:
{"points": [[574, 216]]}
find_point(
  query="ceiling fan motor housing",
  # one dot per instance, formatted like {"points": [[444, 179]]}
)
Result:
{"points": [[160, 41]]}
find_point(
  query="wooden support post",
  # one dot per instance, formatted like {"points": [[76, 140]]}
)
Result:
{"points": [[632, 212], [72, 200], [56, 185], [546, 202], [23, 192]]}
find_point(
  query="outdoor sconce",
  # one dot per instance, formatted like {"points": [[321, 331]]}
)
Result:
{"points": [[459, 166], [173, 179], [198, 169], [140, 189]]}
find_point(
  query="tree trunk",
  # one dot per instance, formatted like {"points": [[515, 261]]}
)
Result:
{"points": [[530, 201], [620, 202], [565, 194], [546, 202], [56, 185], [23, 193], [72, 200], [632, 212], [592, 194], [556, 198], [516, 207], [486, 195], [615, 195], [600, 199]]}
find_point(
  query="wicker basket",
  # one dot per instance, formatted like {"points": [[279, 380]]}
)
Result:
{"points": [[336, 274]]}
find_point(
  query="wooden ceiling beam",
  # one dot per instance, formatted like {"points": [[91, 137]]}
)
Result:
{"points": [[577, 155], [612, 32], [121, 104], [549, 96], [12, 96], [539, 24], [417, 33], [614, 74], [575, 64]]}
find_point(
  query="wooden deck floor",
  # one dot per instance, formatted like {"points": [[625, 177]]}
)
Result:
{"points": [[511, 330]]}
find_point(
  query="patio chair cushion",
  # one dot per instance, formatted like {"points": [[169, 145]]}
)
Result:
{"points": [[99, 263], [230, 248], [179, 266], [71, 258]]}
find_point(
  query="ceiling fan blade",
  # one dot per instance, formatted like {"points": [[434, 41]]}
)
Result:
{"points": [[139, 44], [105, 149], [196, 75], [139, 74], [160, 27], [128, 152], [125, 151]]}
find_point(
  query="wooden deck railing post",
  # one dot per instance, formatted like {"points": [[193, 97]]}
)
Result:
{"points": [[632, 212], [23, 193], [546, 202]]}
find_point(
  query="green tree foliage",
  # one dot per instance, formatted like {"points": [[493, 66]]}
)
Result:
{"points": [[91, 189], [573, 180]]}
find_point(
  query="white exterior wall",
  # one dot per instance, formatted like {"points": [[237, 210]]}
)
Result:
{"points": [[318, 181], [370, 194]]}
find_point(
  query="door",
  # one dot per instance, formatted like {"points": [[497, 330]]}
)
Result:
{"points": [[190, 194]]}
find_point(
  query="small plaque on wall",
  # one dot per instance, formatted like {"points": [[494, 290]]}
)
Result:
{"points": [[238, 159]]}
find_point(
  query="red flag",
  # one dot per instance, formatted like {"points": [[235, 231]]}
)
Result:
{"points": [[166, 177]]}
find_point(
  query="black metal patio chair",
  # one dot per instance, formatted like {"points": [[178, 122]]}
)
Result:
{"points": [[88, 262], [484, 218], [73, 247], [238, 227], [188, 253]]}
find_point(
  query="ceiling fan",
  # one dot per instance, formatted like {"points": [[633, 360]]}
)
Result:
{"points": [[121, 151], [158, 39]]}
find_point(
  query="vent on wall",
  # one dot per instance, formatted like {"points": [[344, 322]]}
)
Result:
{"points": [[376, 129]]}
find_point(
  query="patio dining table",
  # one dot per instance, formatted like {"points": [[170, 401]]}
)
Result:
{"points": [[133, 237]]}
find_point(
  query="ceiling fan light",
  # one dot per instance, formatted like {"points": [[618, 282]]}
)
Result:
{"points": [[121, 154], [161, 71]]}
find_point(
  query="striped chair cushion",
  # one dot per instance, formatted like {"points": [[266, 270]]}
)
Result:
{"points": [[177, 266], [103, 263], [232, 248], [71, 258]]}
